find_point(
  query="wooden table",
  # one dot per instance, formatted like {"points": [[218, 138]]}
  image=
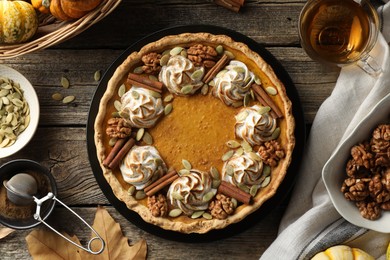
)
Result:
{"points": [[60, 142]]}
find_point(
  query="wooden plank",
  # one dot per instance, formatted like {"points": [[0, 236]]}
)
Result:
{"points": [[255, 240]]}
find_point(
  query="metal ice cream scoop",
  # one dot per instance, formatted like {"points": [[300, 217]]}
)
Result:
{"points": [[22, 189]]}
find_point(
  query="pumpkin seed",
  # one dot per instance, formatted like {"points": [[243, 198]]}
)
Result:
{"points": [[247, 99], [147, 138], [243, 187], [131, 190], [219, 49], [275, 133], [271, 90], [4, 92], [57, 96], [229, 170], [112, 141], [253, 190], [115, 114], [164, 59], [266, 181], [140, 134], [214, 173], [138, 70], [175, 51], [177, 196], [239, 151], [254, 156], [229, 54], [246, 146], [197, 75], [233, 144], [184, 172], [266, 170], [204, 90], [197, 214], [215, 184], [121, 90], [263, 110], [64, 82], [175, 213], [168, 109], [134, 94], [221, 73], [257, 80], [184, 53], [242, 116], [207, 216], [237, 104], [187, 165], [68, 99], [208, 196], [187, 89], [117, 105], [227, 155], [97, 75], [140, 195], [239, 69], [168, 98], [153, 78]]}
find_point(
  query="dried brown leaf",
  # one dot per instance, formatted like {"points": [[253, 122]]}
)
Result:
{"points": [[45, 244], [117, 246], [5, 232]]}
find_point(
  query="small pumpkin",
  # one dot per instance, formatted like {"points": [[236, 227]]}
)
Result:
{"points": [[342, 252], [72, 9], [18, 21], [42, 6]]}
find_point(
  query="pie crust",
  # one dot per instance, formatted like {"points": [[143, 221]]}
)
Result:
{"points": [[172, 143]]}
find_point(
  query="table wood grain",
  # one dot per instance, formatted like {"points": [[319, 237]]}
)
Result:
{"points": [[60, 142]]}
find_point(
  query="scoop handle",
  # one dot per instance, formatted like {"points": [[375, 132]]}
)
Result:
{"points": [[37, 216]]}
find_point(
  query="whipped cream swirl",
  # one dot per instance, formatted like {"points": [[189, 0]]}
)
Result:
{"points": [[179, 74], [188, 191], [254, 125], [244, 170], [233, 83], [142, 165], [140, 108]]}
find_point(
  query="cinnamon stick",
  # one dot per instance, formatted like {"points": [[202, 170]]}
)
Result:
{"points": [[121, 153], [114, 151], [161, 183], [141, 81], [233, 5], [216, 68], [234, 192], [265, 99]]}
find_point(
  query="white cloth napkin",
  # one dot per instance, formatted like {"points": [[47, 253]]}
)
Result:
{"points": [[311, 223]]}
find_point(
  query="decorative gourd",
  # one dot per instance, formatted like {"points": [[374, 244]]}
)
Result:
{"points": [[42, 6], [72, 9], [18, 21], [342, 252]]}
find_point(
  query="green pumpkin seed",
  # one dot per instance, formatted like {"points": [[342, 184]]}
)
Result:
{"points": [[247, 99], [155, 94], [253, 190], [112, 141], [57, 96], [257, 80], [208, 196], [197, 214], [227, 155], [121, 90], [263, 110], [271, 90], [117, 105], [131, 190], [175, 51], [275, 133], [168, 109], [229, 170], [219, 49], [97, 75], [187, 89], [140, 195], [243, 187], [140, 134], [214, 173], [68, 99], [266, 181], [204, 90], [147, 138], [239, 151], [233, 144], [64, 82], [115, 114], [254, 156], [229, 54], [138, 70], [164, 59], [168, 98], [177, 196], [207, 216], [197, 75], [246, 146], [134, 94], [242, 116], [266, 170], [184, 53], [239, 69], [184, 172], [187, 165], [215, 184], [175, 213]]}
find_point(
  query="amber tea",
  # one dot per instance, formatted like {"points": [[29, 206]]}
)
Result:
{"points": [[336, 31]]}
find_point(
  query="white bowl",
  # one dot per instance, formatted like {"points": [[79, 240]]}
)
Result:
{"points": [[32, 100], [334, 174]]}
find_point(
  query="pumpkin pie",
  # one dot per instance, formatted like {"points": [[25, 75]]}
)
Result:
{"points": [[194, 132]]}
